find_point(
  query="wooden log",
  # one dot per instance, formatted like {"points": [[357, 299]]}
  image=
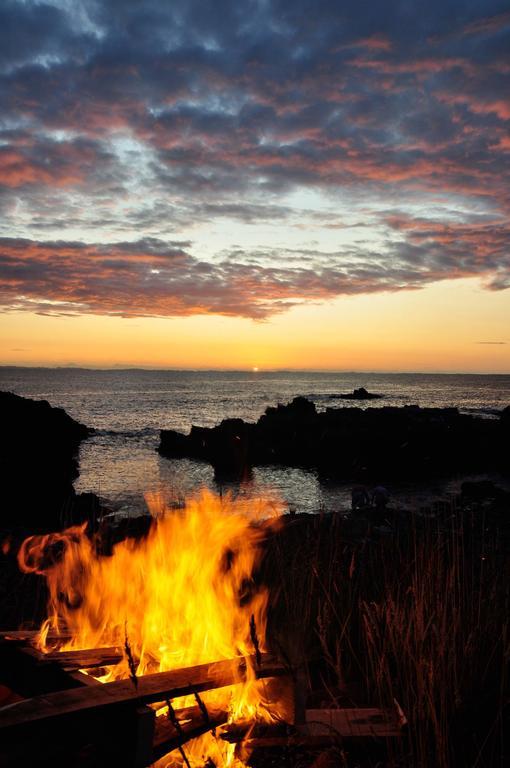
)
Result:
{"points": [[99, 700]]}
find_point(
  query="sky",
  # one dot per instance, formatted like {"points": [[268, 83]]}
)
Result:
{"points": [[258, 183]]}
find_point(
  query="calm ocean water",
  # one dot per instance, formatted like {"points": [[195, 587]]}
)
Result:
{"points": [[129, 407]]}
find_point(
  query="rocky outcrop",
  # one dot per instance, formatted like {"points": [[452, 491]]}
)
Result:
{"points": [[350, 443], [39, 446], [359, 394]]}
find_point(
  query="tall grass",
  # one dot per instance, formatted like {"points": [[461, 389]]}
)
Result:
{"points": [[420, 615]]}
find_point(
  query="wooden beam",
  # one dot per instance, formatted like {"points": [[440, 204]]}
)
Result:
{"points": [[292, 740], [26, 671], [29, 635], [83, 679], [87, 658], [143, 729], [322, 727], [29, 672], [84, 659], [352, 723], [18, 635], [192, 724]]}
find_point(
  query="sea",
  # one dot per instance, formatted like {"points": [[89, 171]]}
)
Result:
{"points": [[127, 408]]}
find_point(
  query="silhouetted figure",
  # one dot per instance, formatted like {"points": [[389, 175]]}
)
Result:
{"points": [[359, 497], [380, 497]]}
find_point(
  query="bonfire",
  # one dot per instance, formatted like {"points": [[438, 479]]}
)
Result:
{"points": [[183, 596]]}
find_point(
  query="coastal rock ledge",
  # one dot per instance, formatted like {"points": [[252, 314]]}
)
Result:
{"points": [[39, 447], [351, 443]]}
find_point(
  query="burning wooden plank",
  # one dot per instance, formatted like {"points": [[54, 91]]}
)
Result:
{"points": [[71, 660], [30, 672], [150, 688], [84, 659], [192, 724], [111, 719]]}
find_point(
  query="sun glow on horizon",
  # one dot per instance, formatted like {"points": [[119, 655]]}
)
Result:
{"points": [[451, 326]]}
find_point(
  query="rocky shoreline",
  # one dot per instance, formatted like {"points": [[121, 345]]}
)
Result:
{"points": [[39, 463], [40, 444]]}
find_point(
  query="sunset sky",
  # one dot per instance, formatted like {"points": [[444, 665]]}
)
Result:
{"points": [[270, 183]]}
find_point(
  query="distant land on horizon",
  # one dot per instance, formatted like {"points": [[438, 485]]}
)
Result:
{"points": [[258, 371]]}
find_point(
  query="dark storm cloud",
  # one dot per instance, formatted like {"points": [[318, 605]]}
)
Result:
{"points": [[132, 117]]}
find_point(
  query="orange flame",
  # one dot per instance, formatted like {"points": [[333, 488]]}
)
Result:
{"points": [[182, 596]]}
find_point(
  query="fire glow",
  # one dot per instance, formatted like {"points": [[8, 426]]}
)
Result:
{"points": [[184, 595]]}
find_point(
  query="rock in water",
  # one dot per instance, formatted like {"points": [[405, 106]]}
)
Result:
{"points": [[351, 443], [360, 394]]}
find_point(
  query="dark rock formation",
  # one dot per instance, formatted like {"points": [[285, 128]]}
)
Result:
{"points": [[38, 464], [359, 394], [505, 417], [351, 443]]}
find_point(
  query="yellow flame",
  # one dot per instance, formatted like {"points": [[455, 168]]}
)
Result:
{"points": [[182, 596]]}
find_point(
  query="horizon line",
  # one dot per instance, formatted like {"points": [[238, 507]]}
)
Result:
{"points": [[258, 372]]}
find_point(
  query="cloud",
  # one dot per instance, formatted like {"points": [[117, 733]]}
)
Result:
{"points": [[27, 161], [151, 277], [460, 249], [129, 120], [488, 25], [37, 32]]}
